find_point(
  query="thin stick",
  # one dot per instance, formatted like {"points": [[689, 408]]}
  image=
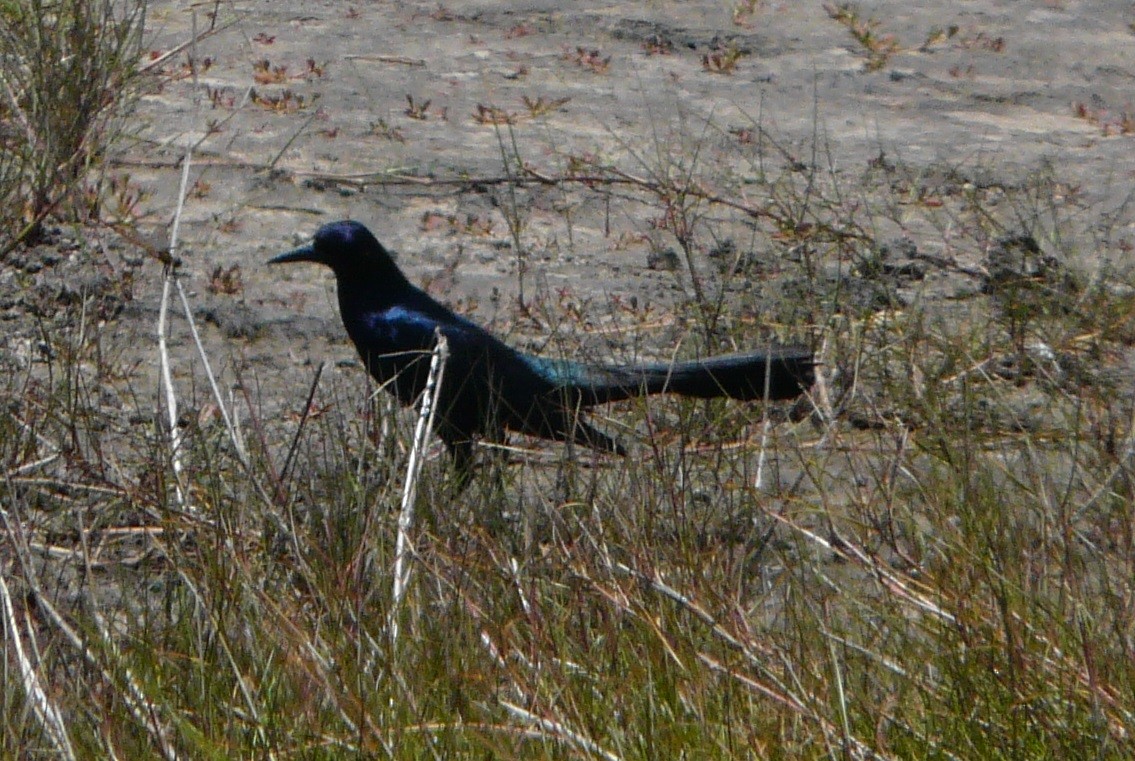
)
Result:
{"points": [[292, 139], [229, 426], [303, 420], [766, 425], [387, 59], [163, 317], [167, 384], [191, 42], [406, 516]]}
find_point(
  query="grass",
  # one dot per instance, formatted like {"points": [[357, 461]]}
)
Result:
{"points": [[934, 562]]}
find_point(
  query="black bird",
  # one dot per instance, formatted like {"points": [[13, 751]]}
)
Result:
{"points": [[488, 386]]}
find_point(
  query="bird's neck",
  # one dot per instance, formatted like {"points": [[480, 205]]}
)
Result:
{"points": [[372, 287]]}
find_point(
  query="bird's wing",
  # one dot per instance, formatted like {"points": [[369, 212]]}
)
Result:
{"points": [[401, 329], [395, 344]]}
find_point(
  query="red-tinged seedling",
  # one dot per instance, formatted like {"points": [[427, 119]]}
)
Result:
{"points": [[722, 61], [540, 107], [589, 58], [879, 48], [226, 281], [285, 102], [493, 115], [420, 111]]}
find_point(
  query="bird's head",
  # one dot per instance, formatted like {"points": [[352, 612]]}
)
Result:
{"points": [[346, 247]]}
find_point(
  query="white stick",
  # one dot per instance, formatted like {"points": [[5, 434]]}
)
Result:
{"points": [[44, 709], [167, 384], [234, 436], [766, 424], [163, 313], [409, 490]]}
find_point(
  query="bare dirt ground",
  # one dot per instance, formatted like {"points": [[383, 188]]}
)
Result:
{"points": [[391, 113]]}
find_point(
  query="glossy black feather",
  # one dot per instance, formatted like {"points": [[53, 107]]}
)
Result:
{"points": [[489, 387]]}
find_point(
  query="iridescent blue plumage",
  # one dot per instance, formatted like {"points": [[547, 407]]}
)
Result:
{"points": [[489, 387]]}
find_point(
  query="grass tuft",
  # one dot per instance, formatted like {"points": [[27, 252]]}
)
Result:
{"points": [[67, 75]]}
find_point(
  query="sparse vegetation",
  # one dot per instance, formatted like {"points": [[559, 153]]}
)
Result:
{"points": [[1122, 123], [419, 110], [492, 115], [744, 11], [283, 101], [538, 106], [66, 75], [877, 46], [931, 557]]}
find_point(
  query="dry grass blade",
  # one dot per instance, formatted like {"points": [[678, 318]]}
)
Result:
{"points": [[558, 731], [422, 432], [44, 710]]}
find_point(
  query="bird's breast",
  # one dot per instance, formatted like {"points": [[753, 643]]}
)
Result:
{"points": [[392, 349]]}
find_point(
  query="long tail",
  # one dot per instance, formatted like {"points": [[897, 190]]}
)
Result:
{"points": [[782, 373]]}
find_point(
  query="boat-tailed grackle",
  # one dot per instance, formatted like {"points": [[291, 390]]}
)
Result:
{"points": [[488, 386]]}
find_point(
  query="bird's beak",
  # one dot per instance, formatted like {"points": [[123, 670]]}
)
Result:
{"points": [[301, 254]]}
